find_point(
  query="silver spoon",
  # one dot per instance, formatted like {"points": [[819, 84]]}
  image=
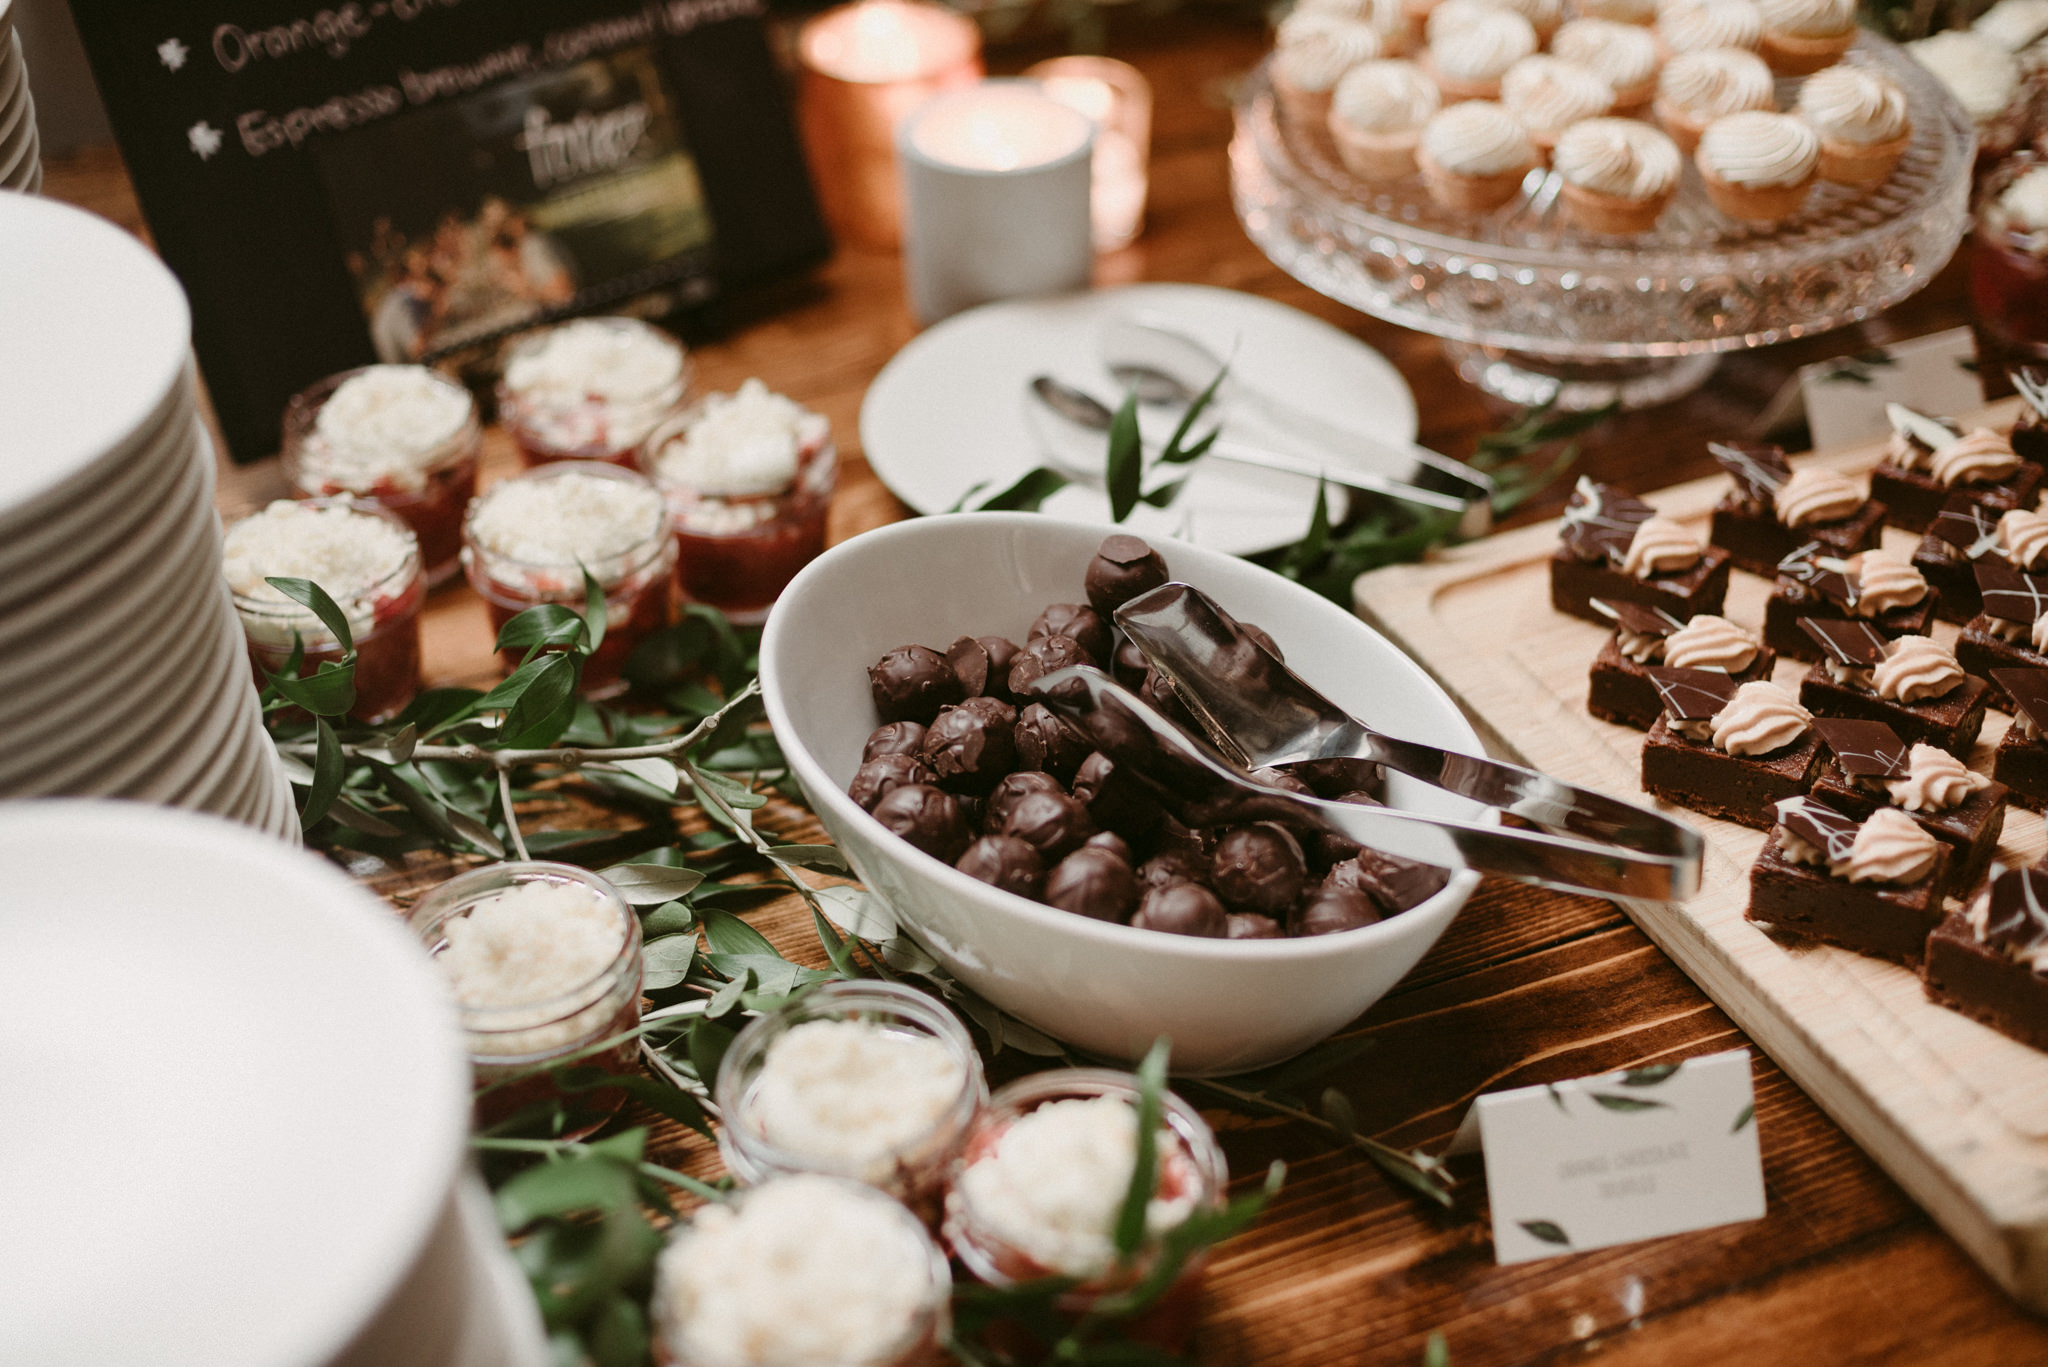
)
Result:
{"points": [[1262, 714], [1079, 411], [1165, 365], [1199, 789]]}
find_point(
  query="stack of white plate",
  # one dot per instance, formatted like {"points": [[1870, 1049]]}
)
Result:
{"points": [[20, 166], [122, 667], [249, 1107]]}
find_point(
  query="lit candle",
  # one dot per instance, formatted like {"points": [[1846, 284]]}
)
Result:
{"points": [[996, 190], [865, 67], [1116, 97]]}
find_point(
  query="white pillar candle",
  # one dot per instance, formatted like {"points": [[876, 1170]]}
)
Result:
{"points": [[996, 194], [1118, 100]]}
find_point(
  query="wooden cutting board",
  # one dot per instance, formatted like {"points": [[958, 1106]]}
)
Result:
{"points": [[1957, 1113]]}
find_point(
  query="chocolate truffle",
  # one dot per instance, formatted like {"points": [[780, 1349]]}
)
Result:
{"points": [[1183, 909], [893, 738], [969, 661], [1392, 882], [1123, 568], [1048, 741], [1040, 658], [1009, 788], [1173, 866], [1093, 882], [1333, 909], [1249, 925], [911, 683], [927, 817], [1280, 778], [1053, 823], [1002, 653], [1111, 841], [971, 746], [1157, 692], [1114, 799], [1131, 665], [1003, 861], [1259, 868], [881, 775], [1079, 623]]}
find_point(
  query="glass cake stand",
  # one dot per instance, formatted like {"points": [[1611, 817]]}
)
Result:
{"points": [[1533, 308]]}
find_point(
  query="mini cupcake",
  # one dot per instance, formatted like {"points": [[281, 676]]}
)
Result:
{"points": [[1698, 87], [1549, 94], [1623, 55], [1803, 36], [1639, 12], [1474, 156], [1376, 118], [1617, 174], [1861, 119], [1384, 17], [1311, 53], [1697, 25], [1758, 165], [1985, 79], [1471, 46]]}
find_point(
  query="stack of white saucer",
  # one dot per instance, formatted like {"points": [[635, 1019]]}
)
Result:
{"points": [[20, 166], [122, 666]]}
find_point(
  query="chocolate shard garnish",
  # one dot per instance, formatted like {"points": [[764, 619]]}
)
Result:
{"points": [[1864, 749], [2018, 914], [1759, 470], [1601, 521], [1640, 618], [2032, 383], [1820, 826], [1823, 574], [2028, 689], [1691, 694], [2011, 595], [1930, 432], [1857, 645], [1972, 530]]}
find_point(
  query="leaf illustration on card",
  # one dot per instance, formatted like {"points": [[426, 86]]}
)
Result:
{"points": [[1648, 1076], [1627, 1104], [1743, 1119], [1546, 1230]]}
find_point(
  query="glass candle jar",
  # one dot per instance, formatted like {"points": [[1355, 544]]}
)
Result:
{"points": [[545, 962], [401, 436], [366, 559], [527, 541], [1051, 1181], [590, 389], [748, 478], [2009, 259], [871, 1081], [802, 1271]]}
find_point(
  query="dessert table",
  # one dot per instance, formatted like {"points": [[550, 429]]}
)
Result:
{"points": [[1529, 986]]}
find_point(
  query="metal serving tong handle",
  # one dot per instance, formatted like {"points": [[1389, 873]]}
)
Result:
{"points": [[1262, 714]]}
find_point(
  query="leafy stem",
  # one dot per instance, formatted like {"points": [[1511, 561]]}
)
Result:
{"points": [[1412, 1168], [556, 1148]]}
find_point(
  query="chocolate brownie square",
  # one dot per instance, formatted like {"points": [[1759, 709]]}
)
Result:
{"points": [[1970, 830], [2029, 435], [1790, 601], [1620, 690], [1575, 583], [1950, 722], [1914, 498], [1987, 961], [1947, 556], [1871, 918], [1740, 788], [1746, 523], [1981, 651]]}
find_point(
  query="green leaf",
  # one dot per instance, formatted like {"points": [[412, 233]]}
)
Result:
{"points": [[653, 771], [670, 918], [327, 775], [1743, 1118], [1315, 543], [835, 948], [1338, 1111], [1130, 1217], [858, 912], [1027, 495], [1648, 1076], [310, 595], [547, 705], [823, 858], [400, 747], [649, 885], [726, 998], [357, 818], [544, 624], [725, 933], [1436, 1352], [1546, 1230], [329, 691], [658, 1097], [1177, 454], [708, 1042], [475, 832], [617, 1336], [1126, 458], [1627, 1105], [582, 1182], [729, 791], [668, 960], [595, 613]]}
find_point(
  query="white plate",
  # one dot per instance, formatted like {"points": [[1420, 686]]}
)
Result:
{"points": [[947, 412], [293, 1095]]}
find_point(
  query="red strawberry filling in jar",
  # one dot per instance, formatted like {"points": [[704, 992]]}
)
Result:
{"points": [[2009, 259]]}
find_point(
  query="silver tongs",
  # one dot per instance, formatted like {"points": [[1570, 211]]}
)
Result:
{"points": [[1261, 714]]}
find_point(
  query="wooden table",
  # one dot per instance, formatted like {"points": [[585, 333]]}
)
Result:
{"points": [[1527, 987]]}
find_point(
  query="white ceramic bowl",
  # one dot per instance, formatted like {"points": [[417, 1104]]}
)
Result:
{"points": [[1228, 1005]]}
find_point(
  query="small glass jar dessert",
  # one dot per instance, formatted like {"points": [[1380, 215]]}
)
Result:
{"points": [[528, 540], [402, 436], [544, 960], [368, 562], [870, 1081], [748, 477], [1044, 1176], [801, 1271], [590, 389], [2009, 261]]}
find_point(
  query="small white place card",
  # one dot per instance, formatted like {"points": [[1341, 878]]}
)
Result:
{"points": [[1845, 399], [1607, 1160]]}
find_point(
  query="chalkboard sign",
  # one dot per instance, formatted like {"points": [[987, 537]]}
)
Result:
{"points": [[403, 179]]}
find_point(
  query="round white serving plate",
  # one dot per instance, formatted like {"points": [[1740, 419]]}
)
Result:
{"points": [[948, 411], [249, 1095]]}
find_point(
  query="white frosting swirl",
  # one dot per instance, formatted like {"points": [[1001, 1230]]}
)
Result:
{"points": [[1808, 18], [1935, 781], [1640, 646], [1474, 41], [1916, 667], [1313, 50], [1386, 96], [1720, 81], [2025, 202], [1757, 147], [1884, 582], [1659, 546], [1621, 157], [1478, 138], [1816, 495], [1983, 76], [1850, 104], [1890, 847], [2023, 536], [1979, 456], [1385, 16], [2013, 24], [1710, 642], [1548, 94], [1698, 25], [1624, 55], [1760, 718]]}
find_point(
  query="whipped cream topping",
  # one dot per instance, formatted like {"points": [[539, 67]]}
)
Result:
{"points": [[1548, 93], [1983, 76], [1979, 456], [534, 957], [1710, 642], [571, 517], [1385, 16], [742, 444], [2023, 536], [1621, 157], [1890, 847], [607, 358], [1659, 546], [1699, 25], [1852, 105], [1816, 495], [1719, 81], [1760, 718], [1884, 581], [1936, 781], [357, 557], [2025, 202], [1478, 138], [1914, 668], [1388, 96], [1624, 55], [1757, 147], [1808, 18], [2013, 24], [1313, 49], [1470, 40], [1639, 646], [386, 424], [853, 1092]]}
